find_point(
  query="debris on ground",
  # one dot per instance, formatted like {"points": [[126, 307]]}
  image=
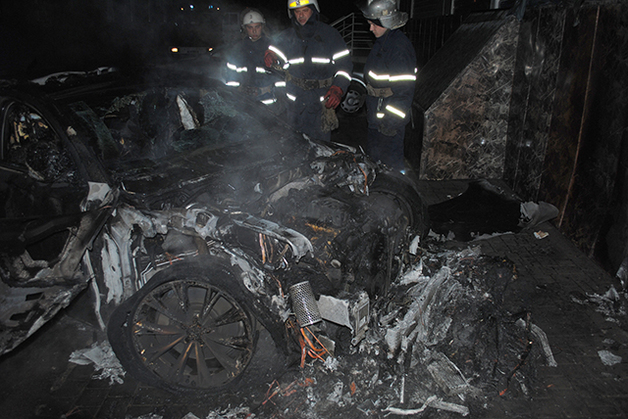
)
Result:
{"points": [[150, 416], [541, 337], [612, 304], [486, 209], [101, 355], [608, 358], [446, 338], [240, 412], [431, 401]]}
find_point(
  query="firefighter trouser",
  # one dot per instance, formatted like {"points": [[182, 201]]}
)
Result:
{"points": [[387, 149]]}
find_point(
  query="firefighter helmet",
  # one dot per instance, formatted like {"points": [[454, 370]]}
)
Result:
{"points": [[295, 4], [252, 16], [384, 13]]}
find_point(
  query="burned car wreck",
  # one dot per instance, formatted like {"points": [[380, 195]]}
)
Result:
{"points": [[194, 217]]}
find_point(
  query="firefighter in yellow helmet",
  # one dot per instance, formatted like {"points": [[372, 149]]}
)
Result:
{"points": [[317, 67]]}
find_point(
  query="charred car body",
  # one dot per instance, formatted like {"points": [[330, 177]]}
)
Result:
{"points": [[193, 215]]}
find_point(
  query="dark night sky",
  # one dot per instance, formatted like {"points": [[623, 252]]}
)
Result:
{"points": [[41, 37]]}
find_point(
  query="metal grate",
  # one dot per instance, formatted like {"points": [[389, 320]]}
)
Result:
{"points": [[304, 304]]}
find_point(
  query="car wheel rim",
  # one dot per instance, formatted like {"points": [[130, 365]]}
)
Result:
{"points": [[192, 334]]}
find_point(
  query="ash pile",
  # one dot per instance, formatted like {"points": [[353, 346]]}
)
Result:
{"points": [[445, 340]]}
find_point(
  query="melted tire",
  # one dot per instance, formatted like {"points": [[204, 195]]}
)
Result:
{"points": [[407, 197], [184, 332]]}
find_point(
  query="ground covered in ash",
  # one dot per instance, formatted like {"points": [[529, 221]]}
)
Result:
{"points": [[446, 339], [451, 336]]}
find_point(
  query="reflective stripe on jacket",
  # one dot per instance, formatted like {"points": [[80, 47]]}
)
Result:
{"points": [[245, 65], [390, 68], [321, 56]]}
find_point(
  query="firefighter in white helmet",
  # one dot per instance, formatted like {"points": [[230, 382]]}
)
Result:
{"points": [[390, 73], [245, 61], [317, 69]]}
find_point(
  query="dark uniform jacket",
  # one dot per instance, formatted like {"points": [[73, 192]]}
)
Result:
{"points": [[314, 57], [390, 73], [245, 69]]}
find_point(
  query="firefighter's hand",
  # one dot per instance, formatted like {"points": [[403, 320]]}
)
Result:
{"points": [[333, 97], [270, 58]]}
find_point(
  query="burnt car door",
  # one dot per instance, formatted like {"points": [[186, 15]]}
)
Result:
{"points": [[43, 230]]}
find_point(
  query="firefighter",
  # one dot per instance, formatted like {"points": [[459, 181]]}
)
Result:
{"points": [[316, 65], [245, 61], [390, 73]]}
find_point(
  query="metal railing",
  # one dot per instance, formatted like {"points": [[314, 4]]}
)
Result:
{"points": [[427, 35], [354, 30]]}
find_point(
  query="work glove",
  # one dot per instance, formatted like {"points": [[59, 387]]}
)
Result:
{"points": [[270, 58], [333, 97]]}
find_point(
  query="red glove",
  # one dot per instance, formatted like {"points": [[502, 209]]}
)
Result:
{"points": [[333, 97], [270, 58]]}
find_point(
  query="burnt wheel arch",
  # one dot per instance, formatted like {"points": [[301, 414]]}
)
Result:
{"points": [[405, 194], [188, 330]]}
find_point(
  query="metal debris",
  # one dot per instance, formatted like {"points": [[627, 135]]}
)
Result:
{"points": [[101, 355], [188, 117], [432, 401], [336, 394], [414, 245], [446, 374], [450, 407], [423, 321], [331, 363], [608, 358], [414, 275], [239, 412], [612, 304], [431, 343], [540, 335], [622, 274]]}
